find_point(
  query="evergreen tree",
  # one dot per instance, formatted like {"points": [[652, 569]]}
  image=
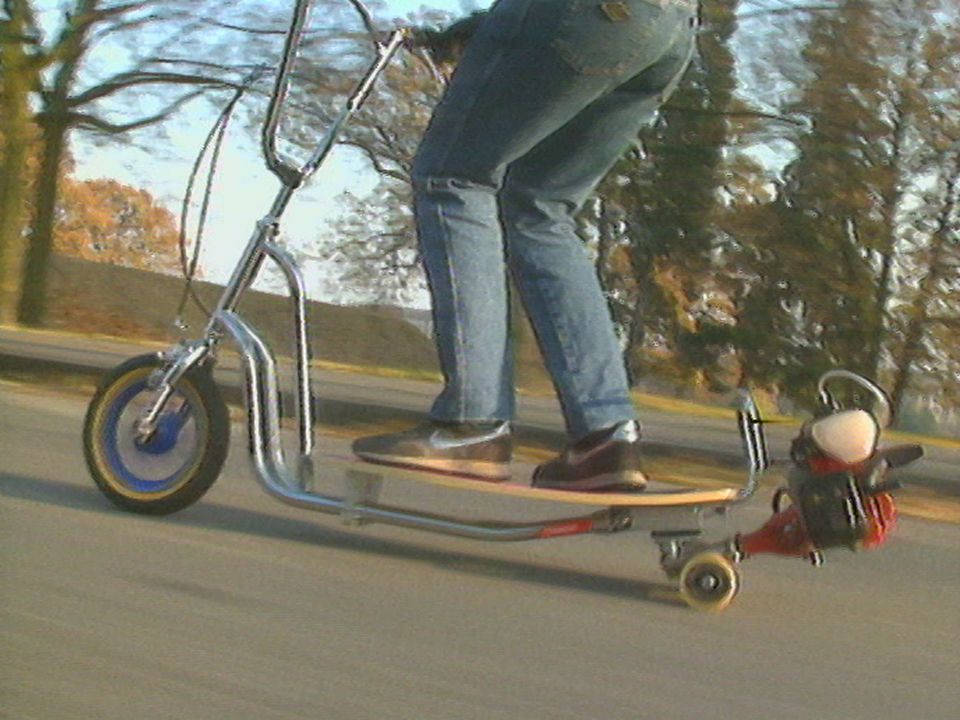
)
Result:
{"points": [[655, 240]]}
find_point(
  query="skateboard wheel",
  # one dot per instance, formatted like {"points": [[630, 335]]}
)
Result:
{"points": [[709, 581]]}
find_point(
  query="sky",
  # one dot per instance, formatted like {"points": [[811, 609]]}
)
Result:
{"points": [[244, 187]]}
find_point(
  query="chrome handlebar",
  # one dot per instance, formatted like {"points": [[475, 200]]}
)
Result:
{"points": [[290, 173], [283, 168]]}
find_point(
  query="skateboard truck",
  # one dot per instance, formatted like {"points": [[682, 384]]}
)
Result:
{"points": [[362, 489], [613, 520]]}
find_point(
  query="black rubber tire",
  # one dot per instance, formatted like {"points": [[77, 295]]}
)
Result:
{"points": [[120, 465]]}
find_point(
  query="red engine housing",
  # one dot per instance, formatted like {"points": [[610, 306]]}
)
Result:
{"points": [[786, 534]]}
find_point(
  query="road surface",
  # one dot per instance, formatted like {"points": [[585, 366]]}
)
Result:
{"points": [[242, 608]]}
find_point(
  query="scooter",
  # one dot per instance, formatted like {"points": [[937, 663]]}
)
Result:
{"points": [[156, 432]]}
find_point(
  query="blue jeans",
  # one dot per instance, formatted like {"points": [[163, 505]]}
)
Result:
{"points": [[549, 94]]}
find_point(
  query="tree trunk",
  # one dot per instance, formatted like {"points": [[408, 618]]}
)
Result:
{"points": [[40, 242], [636, 336], [912, 347], [15, 131], [54, 125], [938, 267], [13, 205], [901, 116]]}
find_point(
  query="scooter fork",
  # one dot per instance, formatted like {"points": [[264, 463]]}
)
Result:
{"points": [[179, 359]]}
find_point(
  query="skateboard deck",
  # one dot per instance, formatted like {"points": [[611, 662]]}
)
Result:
{"points": [[647, 498]]}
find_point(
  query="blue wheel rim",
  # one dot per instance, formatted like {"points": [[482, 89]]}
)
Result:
{"points": [[160, 465]]}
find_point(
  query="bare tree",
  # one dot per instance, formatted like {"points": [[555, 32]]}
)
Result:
{"points": [[70, 95]]}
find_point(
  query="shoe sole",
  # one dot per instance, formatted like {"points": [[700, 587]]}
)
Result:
{"points": [[627, 482], [475, 469]]}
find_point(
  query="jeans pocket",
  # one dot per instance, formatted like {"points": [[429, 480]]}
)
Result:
{"points": [[608, 37]]}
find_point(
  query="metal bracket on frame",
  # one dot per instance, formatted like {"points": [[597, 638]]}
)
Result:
{"points": [[362, 488]]}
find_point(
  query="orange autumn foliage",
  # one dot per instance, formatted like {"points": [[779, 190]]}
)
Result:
{"points": [[107, 221]]}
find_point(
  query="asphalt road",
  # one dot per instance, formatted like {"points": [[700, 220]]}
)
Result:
{"points": [[240, 607]]}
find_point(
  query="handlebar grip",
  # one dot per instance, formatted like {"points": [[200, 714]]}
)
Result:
{"points": [[900, 455]]}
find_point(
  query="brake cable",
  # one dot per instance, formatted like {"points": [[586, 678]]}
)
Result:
{"points": [[213, 143]]}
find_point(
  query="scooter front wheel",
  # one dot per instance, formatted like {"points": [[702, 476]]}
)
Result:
{"points": [[172, 465]]}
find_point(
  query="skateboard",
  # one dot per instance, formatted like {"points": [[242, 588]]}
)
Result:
{"points": [[706, 575], [652, 497], [156, 447]]}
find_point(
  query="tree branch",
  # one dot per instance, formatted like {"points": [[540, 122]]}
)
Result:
{"points": [[124, 81], [102, 13], [92, 122], [137, 22], [786, 11], [375, 161], [240, 28], [242, 69]]}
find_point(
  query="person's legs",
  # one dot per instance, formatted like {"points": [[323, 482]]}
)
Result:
{"points": [[558, 283], [533, 78], [520, 84]]}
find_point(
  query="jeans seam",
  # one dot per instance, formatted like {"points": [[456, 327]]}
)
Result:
{"points": [[460, 359]]}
